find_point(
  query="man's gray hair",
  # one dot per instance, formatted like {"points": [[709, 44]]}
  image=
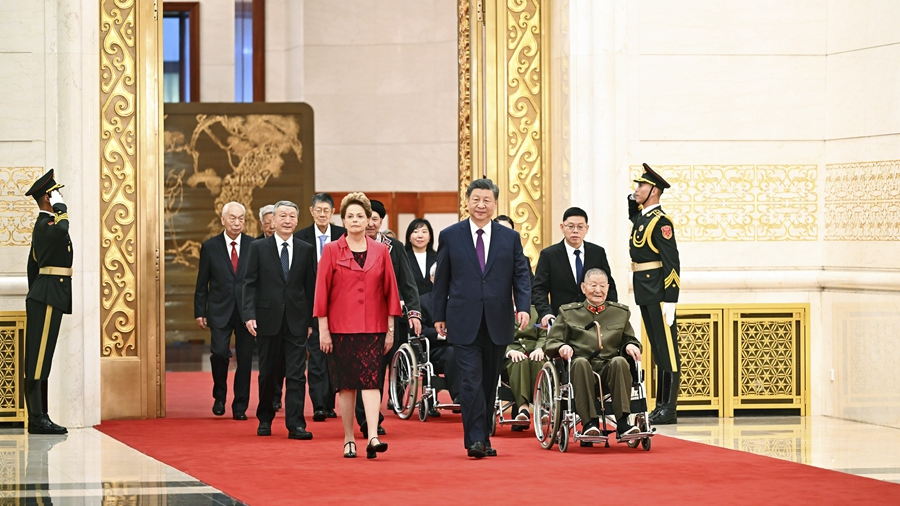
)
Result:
{"points": [[483, 184], [264, 210], [286, 203], [226, 206], [596, 272], [322, 197]]}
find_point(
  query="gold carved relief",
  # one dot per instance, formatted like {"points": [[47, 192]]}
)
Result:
{"points": [[741, 202], [862, 201], [17, 212], [12, 345], [118, 85], [465, 104], [525, 121]]}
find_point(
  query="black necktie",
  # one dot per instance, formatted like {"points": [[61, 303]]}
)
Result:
{"points": [[285, 260]]}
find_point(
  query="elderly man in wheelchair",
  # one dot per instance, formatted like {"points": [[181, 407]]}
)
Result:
{"points": [[597, 336]]}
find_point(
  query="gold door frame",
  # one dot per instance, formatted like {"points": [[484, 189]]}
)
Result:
{"points": [[504, 110], [132, 365]]}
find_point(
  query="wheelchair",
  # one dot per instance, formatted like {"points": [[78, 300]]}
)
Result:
{"points": [[411, 367], [504, 401], [555, 417]]}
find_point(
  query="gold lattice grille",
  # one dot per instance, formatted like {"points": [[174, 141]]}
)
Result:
{"points": [[12, 346], [767, 357]]}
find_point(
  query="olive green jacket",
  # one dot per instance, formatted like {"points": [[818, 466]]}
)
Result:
{"points": [[569, 328]]}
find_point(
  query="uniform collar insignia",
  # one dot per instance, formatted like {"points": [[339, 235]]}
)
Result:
{"points": [[386, 241], [596, 309]]}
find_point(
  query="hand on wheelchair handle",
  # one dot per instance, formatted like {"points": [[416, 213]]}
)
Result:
{"points": [[633, 352], [416, 325], [566, 352]]}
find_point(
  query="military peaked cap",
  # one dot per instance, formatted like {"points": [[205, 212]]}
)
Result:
{"points": [[44, 185], [651, 177]]}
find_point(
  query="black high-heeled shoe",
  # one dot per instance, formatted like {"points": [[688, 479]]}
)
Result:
{"points": [[373, 449], [351, 452]]}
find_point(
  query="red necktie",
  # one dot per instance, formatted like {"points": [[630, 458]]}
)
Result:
{"points": [[234, 257]]}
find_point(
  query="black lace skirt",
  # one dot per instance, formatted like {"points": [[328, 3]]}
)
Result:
{"points": [[355, 361]]}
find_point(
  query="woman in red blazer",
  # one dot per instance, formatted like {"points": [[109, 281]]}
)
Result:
{"points": [[356, 301]]}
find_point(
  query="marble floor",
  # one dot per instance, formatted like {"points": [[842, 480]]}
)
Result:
{"points": [[90, 468]]}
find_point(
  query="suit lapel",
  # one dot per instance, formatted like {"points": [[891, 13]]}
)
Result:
{"points": [[564, 261], [276, 255], [295, 260], [242, 254], [225, 248], [466, 238]]}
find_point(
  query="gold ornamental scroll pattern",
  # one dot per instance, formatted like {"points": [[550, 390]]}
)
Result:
{"points": [[524, 135], [862, 201], [464, 57], [17, 212], [741, 202], [118, 86]]}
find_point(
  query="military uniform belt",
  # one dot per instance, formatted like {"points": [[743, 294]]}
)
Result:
{"points": [[56, 271], [645, 266]]}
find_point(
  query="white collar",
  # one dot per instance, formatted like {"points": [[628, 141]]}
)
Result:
{"points": [[647, 209], [571, 251], [319, 233], [228, 240], [279, 241], [474, 228], [47, 212]]}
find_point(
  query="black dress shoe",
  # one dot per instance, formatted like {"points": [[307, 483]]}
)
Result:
{"points": [[665, 416], [490, 452], [331, 414], [373, 449], [434, 413], [239, 415], [477, 450], [298, 433], [276, 405], [43, 425], [219, 408], [265, 429], [319, 416]]}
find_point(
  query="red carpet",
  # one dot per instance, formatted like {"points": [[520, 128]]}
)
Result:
{"points": [[426, 464]]}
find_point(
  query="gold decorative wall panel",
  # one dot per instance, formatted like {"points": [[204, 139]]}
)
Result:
{"points": [[741, 357], [118, 124], [862, 201], [504, 129], [741, 202], [12, 351], [17, 212]]}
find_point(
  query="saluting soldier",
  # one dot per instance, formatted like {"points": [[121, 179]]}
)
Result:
{"points": [[49, 297], [575, 335], [654, 257]]}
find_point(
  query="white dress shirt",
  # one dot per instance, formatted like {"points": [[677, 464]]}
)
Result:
{"points": [[290, 247], [319, 234], [570, 252], [648, 209], [237, 247], [422, 260], [485, 237]]}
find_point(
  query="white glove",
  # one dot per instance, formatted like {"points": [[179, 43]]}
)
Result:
{"points": [[55, 198], [668, 311]]}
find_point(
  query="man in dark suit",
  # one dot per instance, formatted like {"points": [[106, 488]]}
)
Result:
{"points": [[278, 299], [217, 305], [409, 299], [317, 235], [266, 221], [561, 267], [481, 269], [49, 297]]}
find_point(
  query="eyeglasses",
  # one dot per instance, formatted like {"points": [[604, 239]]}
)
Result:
{"points": [[572, 227], [320, 210]]}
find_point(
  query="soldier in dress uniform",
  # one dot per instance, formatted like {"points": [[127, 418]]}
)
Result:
{"points": [[575, 335], [654, 257], [49, 297]]}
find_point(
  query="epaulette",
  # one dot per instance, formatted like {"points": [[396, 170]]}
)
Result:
{"points": [[610, 303], [573, 305]]}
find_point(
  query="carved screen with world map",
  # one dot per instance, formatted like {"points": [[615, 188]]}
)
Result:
{"points": [[255, 154]]}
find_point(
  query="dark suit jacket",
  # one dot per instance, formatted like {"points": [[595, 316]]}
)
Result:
{"points": [[409, 294], [219, 289], [268, 298], [310, 234], [553, 276], [462, 294], [423, 283]]}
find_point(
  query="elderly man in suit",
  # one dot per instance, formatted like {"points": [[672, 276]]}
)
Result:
{"points": [[317, 235], [279, 286], [561, 267], [217, 306], [480, 263], [266, 221]]}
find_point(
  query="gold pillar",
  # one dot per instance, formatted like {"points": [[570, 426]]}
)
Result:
{"points": [[504, 109], [132, 344]]}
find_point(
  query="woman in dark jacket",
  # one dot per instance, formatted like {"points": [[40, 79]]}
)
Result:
{"points": [[420, 250]]}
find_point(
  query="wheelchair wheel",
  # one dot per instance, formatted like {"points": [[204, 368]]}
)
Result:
{"points": [[547, 412], [564, 438], [404, 381], [645, 443], [633, 443], [424, 407]]}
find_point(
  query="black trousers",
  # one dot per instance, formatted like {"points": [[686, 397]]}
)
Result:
{"points": [[321, 393], [401, 335], [41, 334], [292, 349], [220, 357], [478, 365], [663, 338]]}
